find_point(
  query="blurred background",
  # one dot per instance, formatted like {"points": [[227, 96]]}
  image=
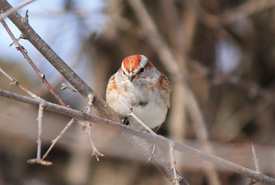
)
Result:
{"points": [[224, 53]]}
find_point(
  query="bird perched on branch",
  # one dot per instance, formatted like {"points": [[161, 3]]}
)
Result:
{"points": [[139, 88]]}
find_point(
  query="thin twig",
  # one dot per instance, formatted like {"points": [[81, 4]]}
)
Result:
{"points": [[16, 83], [173, 163], [256, 162], [38, 159], [95, 151], [88, 126], [255, 159], [90, 103], [8, 12], [58, 137], [26, 56], [39, 120], [247, 9], [132, 114], [157, 139], [64, 86]]}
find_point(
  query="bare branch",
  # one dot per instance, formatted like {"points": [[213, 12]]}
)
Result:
{"points": [[157, 139], [90, 103], [38, 159], [173, 163], [58, 137], [255, 159], [39, 119], [101, 106], [167, 57], [7, 13], [16, 83], [64, 86], [26, 56], [95, 151], [136, 118], [247, 9], [58, 63], [88, 125]]}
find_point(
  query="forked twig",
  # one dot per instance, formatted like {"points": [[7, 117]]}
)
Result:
{"points": [[88, 126], [95, 151], [38, 159]]}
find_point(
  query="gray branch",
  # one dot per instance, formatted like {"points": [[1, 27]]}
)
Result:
{"points": [[147, 137]]}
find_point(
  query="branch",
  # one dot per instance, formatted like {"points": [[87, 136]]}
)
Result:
{"points": [[26, 56], [38, 159], [157, 139], [7, 13], [103, 109], [168, 59], [58, 137], [247, 9], [30, 34], [17, 83]]}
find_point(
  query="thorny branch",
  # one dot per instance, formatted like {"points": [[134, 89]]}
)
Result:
{"points": [[157, 139]]}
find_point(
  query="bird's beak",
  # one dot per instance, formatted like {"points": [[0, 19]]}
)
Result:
{"points": [[132, 77]]}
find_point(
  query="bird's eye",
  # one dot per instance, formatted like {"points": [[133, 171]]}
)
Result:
{"points": [[141, 70]]}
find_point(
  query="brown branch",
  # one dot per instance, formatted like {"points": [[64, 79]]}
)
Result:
{"points": [[157, 139], [26, 56], [38, 159], [16, 83], [88, 125], [7, 13], [30, 34], [58, 137], [168, 59], [247, 9], [173, 163], [101, 106]]}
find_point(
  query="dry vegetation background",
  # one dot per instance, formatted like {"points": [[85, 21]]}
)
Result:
{"points": [[225, 51]]}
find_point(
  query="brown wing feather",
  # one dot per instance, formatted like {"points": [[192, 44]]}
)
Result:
{"points": [[111, 84], [165, 88]]}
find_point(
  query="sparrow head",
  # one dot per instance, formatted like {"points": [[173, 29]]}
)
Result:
{"points": [[134, 65]]}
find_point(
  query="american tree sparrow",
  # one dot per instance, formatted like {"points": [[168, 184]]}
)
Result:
{"points": [[139, 87]]}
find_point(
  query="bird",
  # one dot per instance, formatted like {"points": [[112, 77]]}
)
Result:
{"points": [[139, 87]]}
